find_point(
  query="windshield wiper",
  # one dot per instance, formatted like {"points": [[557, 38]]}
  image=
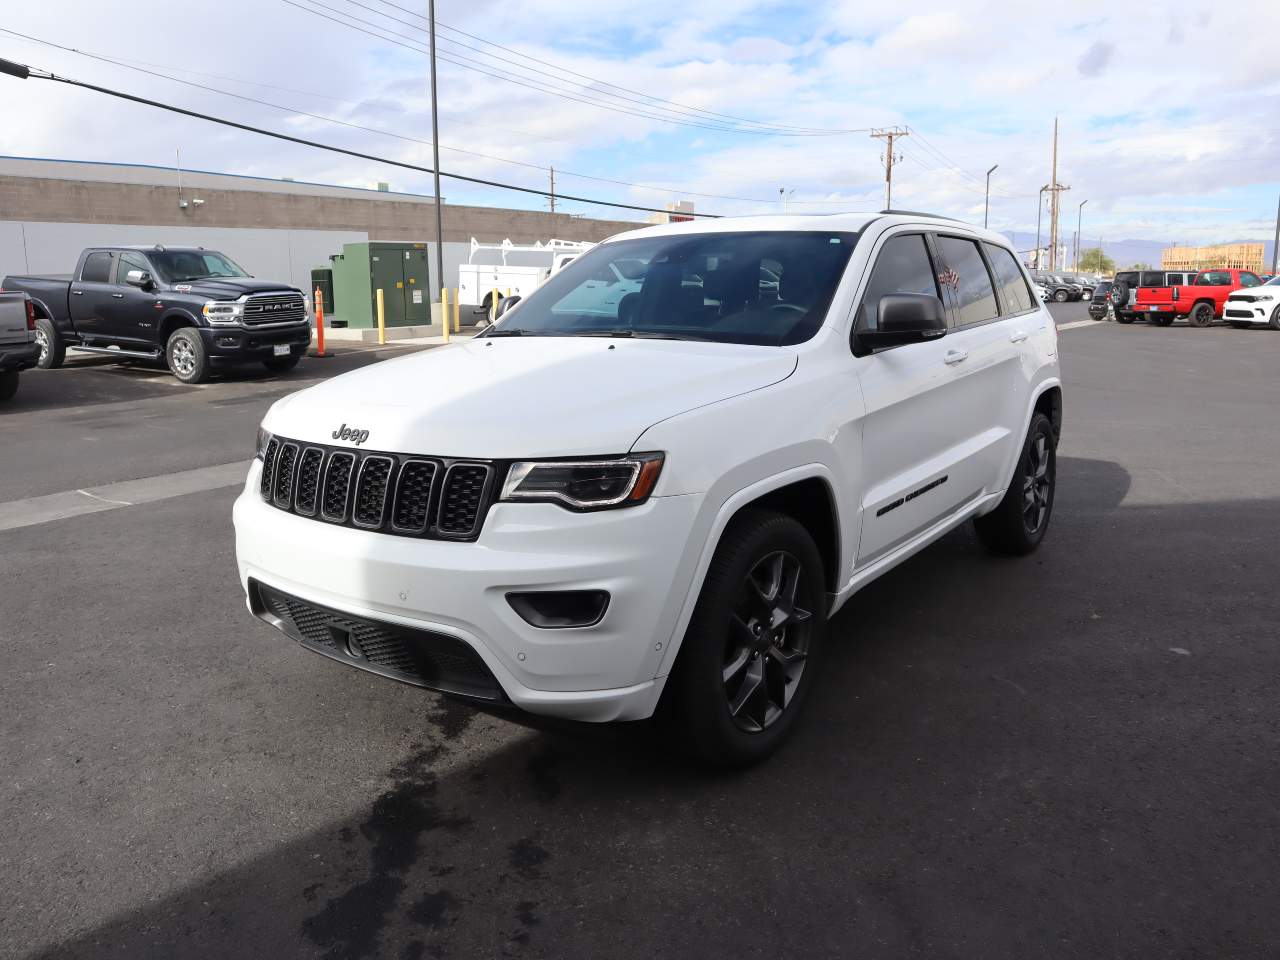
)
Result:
{"points": [[514, 332]]}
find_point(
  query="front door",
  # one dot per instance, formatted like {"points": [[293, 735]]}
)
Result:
{"points": [[915, 411], [91, 295]]}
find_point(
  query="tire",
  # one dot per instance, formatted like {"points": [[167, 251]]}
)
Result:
{"points": [[186, 356], [1009, 529], [1060, 296], [1124, 318], [8, 385], [282, 364], [1201, 315], [53, 350], [1274, 322], [739, 687]]}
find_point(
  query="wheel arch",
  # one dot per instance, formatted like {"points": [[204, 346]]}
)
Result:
{"points": [[785, 492], [171, 321]]}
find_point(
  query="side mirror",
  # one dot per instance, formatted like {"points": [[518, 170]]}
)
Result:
{"points": [[506, 304], [138, 278], [903, 318]]}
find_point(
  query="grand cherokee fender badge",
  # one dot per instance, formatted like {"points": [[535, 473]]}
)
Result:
{"points": [[350, 433]]}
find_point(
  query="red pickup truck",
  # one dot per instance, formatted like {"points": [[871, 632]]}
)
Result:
{"points": [[1200, 301]]}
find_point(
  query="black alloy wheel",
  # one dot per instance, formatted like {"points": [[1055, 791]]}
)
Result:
{"points": [[1201, 315], [768, 643], [1037, 484]]}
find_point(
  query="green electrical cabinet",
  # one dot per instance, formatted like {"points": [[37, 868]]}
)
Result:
{"points": [[397, 268]]}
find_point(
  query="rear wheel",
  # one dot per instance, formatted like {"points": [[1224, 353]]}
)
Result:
{"points": [[1019, 523], [1201, 315], [8, 384], [749, 655], [1124, 317], [187, 358], [52, 350]]}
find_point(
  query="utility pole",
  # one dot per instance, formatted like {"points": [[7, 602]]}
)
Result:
{"points": [[1079, 212], [552, 194], [1039, 212], [889, 135], [986, 204], [1275, 244], [435, 164], [1055, 189]]}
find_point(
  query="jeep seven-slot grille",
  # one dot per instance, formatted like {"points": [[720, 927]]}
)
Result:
{"points": [[441, 498]]}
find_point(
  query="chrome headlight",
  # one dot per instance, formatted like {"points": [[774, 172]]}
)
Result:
{"points": [[596, 484], [223, 312]]}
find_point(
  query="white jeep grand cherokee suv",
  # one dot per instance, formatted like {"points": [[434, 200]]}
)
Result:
{"points": [[654, 509]]}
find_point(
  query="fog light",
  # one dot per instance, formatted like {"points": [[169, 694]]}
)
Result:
{"points": [[558, 609], [228, 341]]}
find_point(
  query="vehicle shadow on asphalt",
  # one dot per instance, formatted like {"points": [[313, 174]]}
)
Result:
{"points": [[1059, 755]]}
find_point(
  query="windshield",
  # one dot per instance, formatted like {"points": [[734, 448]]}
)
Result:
{"points": [[176, 266], [1273, 282], [767, 288]]}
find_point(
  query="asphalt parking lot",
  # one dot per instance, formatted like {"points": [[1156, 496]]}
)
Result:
{"points": [[1069, 755]]}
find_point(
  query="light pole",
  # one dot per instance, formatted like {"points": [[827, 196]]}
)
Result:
{"points": [[785, 195], [1079, 212], [1039, 211], [986, 203], [435, 164]]}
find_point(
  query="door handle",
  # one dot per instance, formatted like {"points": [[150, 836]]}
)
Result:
{"points": [[955, 356], [1017, 336], [78, 293], [118, 296]]}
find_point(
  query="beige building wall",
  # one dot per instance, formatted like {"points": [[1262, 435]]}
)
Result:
{"points": [[1224, 256]]}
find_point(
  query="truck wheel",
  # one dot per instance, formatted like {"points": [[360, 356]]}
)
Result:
{"points": [[8, 384], [186, 356], [52, 350], [1124, 317], [282, 364], [1060, 296], [1018, 524], [1274, 322], [1201, 315], [751, 652]]}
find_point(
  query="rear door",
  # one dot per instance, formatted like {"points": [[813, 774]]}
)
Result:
{"points": [[129, 316], [91, 294]]}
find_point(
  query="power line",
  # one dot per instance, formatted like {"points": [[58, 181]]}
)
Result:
{"points": [[386, 133], [578, 95], [171, 108]]}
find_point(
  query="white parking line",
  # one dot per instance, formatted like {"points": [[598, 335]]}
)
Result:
{"points": [[1080, 323], [113, 496]]}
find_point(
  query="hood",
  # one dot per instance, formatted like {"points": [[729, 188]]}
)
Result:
{"points": [[508, 398], [231, 288]]}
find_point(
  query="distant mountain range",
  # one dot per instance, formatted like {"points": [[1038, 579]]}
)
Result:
{"points": [[1124, 252]]}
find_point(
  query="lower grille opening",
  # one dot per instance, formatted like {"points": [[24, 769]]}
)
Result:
{"points": [[423, 658]]}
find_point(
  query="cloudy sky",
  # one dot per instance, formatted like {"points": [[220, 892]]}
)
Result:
{"points": [[1167, 129]]}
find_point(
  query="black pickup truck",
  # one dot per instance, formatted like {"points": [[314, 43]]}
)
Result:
{"points": [[195, 309]]}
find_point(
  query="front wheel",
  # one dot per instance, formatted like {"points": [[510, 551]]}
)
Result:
{"points": [[1060, 296], [750, 654], [1201, 315], [186, 355], [1274, 322], [1019, 523], [8, 384]]}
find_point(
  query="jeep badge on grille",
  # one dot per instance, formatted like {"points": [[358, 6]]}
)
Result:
{"points": [[350, 433]]}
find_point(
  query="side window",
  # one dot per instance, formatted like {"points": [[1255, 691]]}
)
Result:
{"points": [[963, 272], [1213, 278], [1248, 279], [902, 266], [127, 262], [1013, 288], [97, 268]]}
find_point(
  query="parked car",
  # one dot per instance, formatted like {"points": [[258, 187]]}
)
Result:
{"points": [[1124, 291], [1099, 300], [656, 508], [1201, 301], [494, 271], [1085, 283], [1058, 288], [1042, 292], [192, 308], [1254, 306], [18, 349]]}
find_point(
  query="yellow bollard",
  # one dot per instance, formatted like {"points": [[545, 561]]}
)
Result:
{"points": [[508, 293], [382, 319], [493, 306], [444, 312], [457, 319]]}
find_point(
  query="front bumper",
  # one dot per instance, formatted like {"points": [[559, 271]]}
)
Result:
{"points": [[22, 356], [608, 671], [247, 344], [1240, 311]]}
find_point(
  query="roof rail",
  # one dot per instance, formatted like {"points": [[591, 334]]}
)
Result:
{"points": [[921, 213]]}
